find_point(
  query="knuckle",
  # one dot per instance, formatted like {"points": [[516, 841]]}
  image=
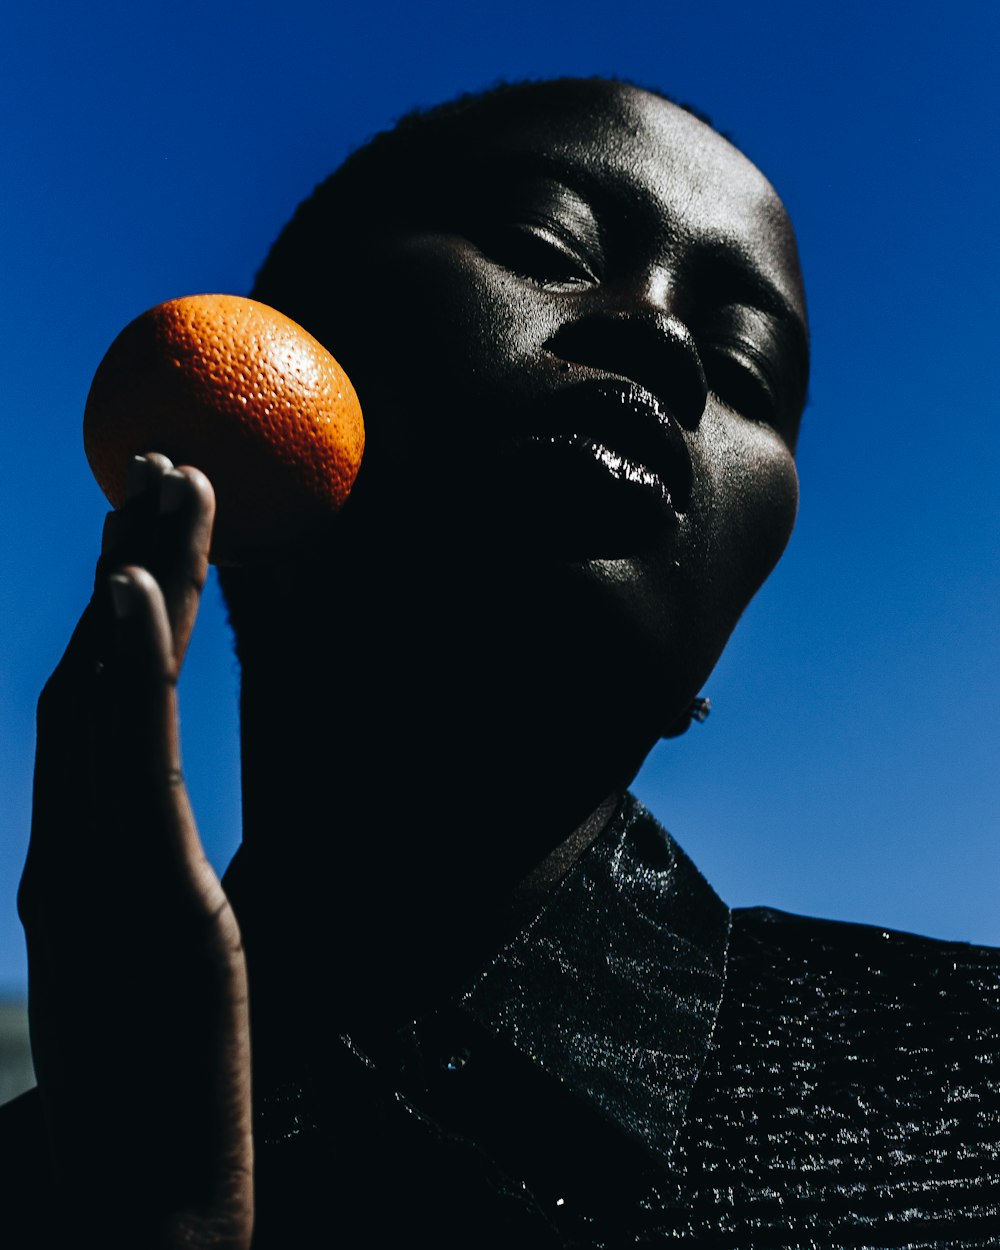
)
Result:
{"points": [[198, 482], [195, 579], [142, 577]]}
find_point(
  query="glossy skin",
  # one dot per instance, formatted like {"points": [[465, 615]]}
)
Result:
{"points": [[638, 248], [613, 401]]}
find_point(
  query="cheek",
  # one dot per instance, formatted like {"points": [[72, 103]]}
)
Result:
{"points": [[751, 495], [451, 330], [443, 349]]}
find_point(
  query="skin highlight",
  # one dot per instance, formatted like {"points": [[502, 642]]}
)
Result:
{"points": [[460, 303], [548, 661], [582, 360]]}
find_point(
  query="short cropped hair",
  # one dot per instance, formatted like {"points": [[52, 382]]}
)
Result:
{"points": [[377, 186]]}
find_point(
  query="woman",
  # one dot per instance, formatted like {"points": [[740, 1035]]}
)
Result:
{"points": [[491, 1003]]}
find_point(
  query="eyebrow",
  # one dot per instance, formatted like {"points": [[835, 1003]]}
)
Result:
{"points": [[548, 165], [742, 276], [791, 322], [770, 298], [736, 265], [751, 287]]}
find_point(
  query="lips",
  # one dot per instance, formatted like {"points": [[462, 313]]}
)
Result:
{"points": [[625, 430], [603, 470]]}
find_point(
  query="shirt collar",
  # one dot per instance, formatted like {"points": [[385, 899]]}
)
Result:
{"points": [[615, 987], [599, 1012]]}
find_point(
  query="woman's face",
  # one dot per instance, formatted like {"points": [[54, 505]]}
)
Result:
{"points": [[583, 372]]}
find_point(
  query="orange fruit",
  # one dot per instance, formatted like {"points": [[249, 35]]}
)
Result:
{"points": [[241, 392]]}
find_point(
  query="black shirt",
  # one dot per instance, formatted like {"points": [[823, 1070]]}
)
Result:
{"points": [[640, 1066]]}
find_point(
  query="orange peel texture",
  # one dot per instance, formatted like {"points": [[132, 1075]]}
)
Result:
{"points": [[243, 393]]}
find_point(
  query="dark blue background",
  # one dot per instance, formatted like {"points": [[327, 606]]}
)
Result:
{"points": [[849, 767]]}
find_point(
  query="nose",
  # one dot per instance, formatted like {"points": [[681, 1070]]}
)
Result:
{"points": [[646, 345]]}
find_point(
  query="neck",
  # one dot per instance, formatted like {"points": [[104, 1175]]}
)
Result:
{"points": [[394, 801], [390, 856]]}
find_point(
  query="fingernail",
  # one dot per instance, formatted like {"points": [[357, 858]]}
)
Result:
{"points": [[122, 594], [112, 531], [173, 487], [136, 476]]}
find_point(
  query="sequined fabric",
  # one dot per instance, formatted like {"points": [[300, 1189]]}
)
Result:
{"points": [[851, 1096], [642, 1067]]}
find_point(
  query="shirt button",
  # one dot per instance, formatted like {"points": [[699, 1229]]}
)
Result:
{"points": [[457, 1060]]}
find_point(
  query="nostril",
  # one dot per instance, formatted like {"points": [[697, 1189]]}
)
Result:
{"points": [[654, 350]]}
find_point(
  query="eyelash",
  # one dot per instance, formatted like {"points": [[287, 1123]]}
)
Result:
{"points": [[742, 383], [736, 372], [539, 252]]}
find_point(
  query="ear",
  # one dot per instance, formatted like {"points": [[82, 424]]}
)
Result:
{"points": [[697, 710]]}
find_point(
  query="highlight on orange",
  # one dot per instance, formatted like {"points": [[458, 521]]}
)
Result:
{"points": [[245, 394]]}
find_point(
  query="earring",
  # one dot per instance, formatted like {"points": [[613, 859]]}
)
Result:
{"points": [[697, 710]]}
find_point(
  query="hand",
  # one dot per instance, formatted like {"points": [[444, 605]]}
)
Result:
{"points": [[137, 980]]}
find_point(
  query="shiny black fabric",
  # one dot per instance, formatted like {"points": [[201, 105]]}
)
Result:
{"points": [[641, 1067]]}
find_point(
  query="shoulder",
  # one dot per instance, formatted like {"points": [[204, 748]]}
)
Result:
{"points": [[835, 956], [22, 1132], [25, 1176], [851, 1089], [906, 1024]]}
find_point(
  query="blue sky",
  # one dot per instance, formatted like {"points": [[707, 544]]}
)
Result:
{"points": [[848, 769]]}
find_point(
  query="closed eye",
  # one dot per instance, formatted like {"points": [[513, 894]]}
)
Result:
{"points": [[537, 251], [753, 364], [742, 379]]}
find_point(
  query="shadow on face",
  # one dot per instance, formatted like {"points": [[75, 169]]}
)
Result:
{"points": [[575, 318]]}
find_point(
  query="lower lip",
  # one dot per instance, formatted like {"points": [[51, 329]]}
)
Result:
{"points": [[635, 480]]}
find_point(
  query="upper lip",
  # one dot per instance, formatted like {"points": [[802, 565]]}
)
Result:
{"points": [[630, 422]]}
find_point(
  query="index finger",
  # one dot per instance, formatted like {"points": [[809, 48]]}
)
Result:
{"points": [[166, 527]]}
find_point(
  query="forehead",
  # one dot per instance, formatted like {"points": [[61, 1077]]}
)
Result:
{"points": [[679, 181]]}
